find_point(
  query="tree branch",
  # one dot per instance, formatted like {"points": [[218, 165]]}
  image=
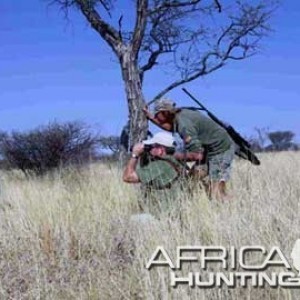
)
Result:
{"points": [[120, 27], [151, 61], [140, 26], [232, 44], [163, 34], [173, 4], [198, 73], [106, 31], [218, 5]]}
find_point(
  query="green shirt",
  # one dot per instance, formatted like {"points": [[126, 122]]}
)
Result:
{"points": [[162, 185], [160, 173], [201, 132]]}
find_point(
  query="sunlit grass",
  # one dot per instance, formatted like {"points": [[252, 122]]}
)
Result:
{"points": [[69, 235]]}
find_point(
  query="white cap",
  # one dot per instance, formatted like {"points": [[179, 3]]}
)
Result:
{"points": [[161, 138]]}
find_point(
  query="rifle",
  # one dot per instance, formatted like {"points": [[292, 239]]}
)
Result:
{"points": [[244, 148]]}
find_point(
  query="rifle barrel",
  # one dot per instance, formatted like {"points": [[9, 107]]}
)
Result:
{"points": [[192, 97], [231, 131]]}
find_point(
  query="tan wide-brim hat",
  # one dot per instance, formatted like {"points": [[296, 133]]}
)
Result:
{"points": [[164, 105]]}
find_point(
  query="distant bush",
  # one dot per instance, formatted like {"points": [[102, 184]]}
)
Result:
{"points": [[266, 140], [110, 143], [282, 140], [46, 148]]}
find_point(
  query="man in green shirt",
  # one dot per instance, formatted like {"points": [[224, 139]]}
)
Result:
{"points": [[203, 139], [160, 171]]}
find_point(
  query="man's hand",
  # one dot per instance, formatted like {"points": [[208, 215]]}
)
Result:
{"points": [[148, 113], [138, 149]]}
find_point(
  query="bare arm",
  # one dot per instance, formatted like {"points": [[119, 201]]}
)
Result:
{"points": [[189, 156], [130, 175], [165, 126]]}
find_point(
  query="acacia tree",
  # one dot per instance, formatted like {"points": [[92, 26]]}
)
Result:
{"points": [[282, 140], [193, 38]]}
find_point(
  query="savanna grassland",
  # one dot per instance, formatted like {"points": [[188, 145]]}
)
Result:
{"points": [[70, 235]]}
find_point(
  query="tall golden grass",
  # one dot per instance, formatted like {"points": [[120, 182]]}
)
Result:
{"points": [[70, 235]]}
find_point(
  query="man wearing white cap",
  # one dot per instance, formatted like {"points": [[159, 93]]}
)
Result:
{"points": [[161, 170], [159, 174]]}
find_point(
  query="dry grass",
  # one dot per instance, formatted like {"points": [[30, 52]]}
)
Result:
{"points": [[68, 236]]}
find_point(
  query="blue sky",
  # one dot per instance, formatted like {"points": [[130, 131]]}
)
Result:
{"points": [[52, 69]]}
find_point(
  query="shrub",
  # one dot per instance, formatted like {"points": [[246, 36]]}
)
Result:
{"points": [[46, 148]]}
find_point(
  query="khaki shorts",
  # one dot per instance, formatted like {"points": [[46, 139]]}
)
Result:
{"points": [[219, 166]]}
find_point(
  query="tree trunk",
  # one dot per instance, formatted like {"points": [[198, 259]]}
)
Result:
{"points": [[133, 87]]}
